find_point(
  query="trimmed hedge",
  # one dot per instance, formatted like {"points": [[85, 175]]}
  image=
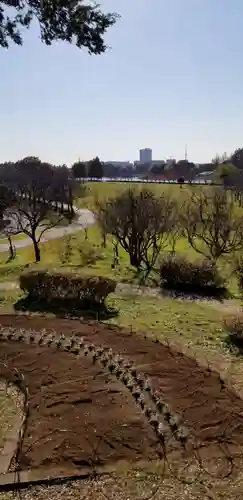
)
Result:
{"points": [[178, 273], [49, 286]]}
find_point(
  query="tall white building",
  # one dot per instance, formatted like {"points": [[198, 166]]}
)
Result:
{"points": [[145, 155]]}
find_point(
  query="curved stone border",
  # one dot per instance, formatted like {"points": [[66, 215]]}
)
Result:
{"points": [[10, 443], [158, 413], [13, 448]]}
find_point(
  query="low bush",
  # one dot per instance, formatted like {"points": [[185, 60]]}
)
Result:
{"points": [[178, 273], [234, 327], [65, 250], [89, 254], [48, 286]]}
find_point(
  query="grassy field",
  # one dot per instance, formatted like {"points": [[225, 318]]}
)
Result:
{"points": [[17, 237], [105, 190]]}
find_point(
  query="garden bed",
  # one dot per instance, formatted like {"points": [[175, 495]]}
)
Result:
{"points": [[81, 415]]}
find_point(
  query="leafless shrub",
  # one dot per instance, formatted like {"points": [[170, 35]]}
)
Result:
{"points": [[140, 222], [233, 324], [211, 223], [65, 250], [88, 254]]}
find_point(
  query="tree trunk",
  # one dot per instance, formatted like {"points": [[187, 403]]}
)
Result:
{"points": [[134, 260], [36, 249], [104, 239], [11, 249]]}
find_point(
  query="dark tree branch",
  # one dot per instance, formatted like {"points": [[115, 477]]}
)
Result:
{"points": [[72, 21]]}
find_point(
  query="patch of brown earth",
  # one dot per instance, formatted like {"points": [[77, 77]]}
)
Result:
{"points": [[67, 413]]}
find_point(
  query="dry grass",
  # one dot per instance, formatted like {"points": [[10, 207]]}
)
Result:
{"points": [[151, 483]]}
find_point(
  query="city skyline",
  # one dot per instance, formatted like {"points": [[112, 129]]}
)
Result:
{"points": [[158, 87]]}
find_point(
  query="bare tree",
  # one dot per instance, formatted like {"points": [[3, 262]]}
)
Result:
{"points": [[140, 222], [6, 200], [102, 216], [211, 223], [9, 231], [33, 219]]}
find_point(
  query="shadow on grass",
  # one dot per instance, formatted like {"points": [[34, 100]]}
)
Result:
{"points": [[66, 308], [234, 343], [193, 293], [12, 269]]}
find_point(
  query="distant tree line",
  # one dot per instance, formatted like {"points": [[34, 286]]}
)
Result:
{"points": [[34, 196], [93, 168]]}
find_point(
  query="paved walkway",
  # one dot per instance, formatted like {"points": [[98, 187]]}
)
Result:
{"points": [[85, 219]]}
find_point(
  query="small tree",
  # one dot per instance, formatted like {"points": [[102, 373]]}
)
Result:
{"points": [[211, 223], [237, 158], [79, 169], [229, 175], [32, 217], [95, 168], [141, 223], [6, 200]]}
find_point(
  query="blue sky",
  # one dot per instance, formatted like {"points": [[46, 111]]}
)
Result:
{"points": [[173, 75]]}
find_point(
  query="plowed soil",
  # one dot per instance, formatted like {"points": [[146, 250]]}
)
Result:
{"points": [[79, 412]]}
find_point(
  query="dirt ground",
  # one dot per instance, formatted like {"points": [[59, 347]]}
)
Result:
{"points": [[80, 413]]}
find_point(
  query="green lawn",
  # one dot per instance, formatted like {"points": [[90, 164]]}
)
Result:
{"points": [[105, 190], [17, 237], [52, 255]]}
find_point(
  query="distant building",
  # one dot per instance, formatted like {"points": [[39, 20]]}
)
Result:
{"points": [[145, 155], [157, 162], [149, 163], [119, 164], [170, 163]]}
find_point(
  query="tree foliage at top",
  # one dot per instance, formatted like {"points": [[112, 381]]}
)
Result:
{"points": [[72, 21], [95, 168], [229, 175]]}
